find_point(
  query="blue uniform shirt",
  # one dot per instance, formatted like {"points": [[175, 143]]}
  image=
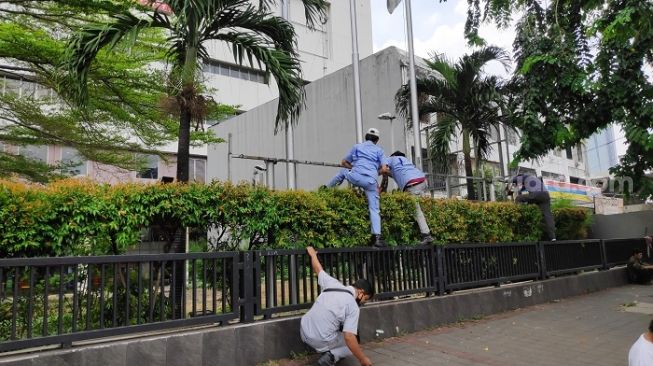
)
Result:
{"points": [[366, 159], [403, 171]]}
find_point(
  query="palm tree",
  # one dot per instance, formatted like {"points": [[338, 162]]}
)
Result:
{"points": [[253, 32], [466, 102]]}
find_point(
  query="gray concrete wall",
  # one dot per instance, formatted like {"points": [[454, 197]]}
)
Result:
{"points": [[256, 343], [626, 225], [325, 131]]}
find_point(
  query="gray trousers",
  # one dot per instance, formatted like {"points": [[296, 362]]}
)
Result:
{"points": [[418, 190], [337, 347], [543, 200]]}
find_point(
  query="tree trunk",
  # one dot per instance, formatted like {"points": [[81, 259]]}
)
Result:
{"points": [[471, 195], [183, 147]]}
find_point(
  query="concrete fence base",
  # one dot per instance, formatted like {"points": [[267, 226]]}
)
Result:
{"points": [[249, 344]]}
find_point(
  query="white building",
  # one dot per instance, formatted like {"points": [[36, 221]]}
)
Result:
{"points": [[322, 51], [326, 131]]}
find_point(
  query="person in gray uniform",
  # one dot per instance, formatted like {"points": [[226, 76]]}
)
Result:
{"points": [[530, 189], [412, 180], [331, 325]]}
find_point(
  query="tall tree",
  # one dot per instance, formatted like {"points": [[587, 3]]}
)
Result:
{"points": [[254, 33], [467, 102], [581, 66], [122, 114]]}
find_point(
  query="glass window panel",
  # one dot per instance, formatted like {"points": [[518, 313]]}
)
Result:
{"points": [[151, 168], [76, 165], [34, 152], [199, 170]]}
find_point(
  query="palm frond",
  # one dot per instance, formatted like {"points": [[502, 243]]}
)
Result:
{"points": [[258, 21], [283, 66], [315, 11], [84, 47], [439, 140]]}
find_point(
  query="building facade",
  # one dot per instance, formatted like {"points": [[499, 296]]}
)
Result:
{"points": [[326, 131]]}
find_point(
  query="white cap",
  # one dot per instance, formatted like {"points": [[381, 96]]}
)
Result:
{"points": [[373, 131]]}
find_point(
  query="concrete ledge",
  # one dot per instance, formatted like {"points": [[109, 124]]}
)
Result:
{"points": [[249, 344]]}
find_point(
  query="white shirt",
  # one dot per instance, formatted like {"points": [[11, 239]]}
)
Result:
{"points": [[331, 309], [641, 353]]}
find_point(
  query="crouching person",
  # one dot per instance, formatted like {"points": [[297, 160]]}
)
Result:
{"points": [[331, 325]]}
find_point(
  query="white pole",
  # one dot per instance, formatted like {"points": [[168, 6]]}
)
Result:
{"points": [[354, 62], [290, 134], [414, 113], [392, 137]]}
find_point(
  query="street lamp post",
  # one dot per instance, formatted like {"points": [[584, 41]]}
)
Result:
{"points": [[387, 116]]}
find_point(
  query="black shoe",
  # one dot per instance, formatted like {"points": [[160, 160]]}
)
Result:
{"points": [[426, 239], [377, 242], [327, 359]]}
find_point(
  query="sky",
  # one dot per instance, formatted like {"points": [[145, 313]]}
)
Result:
{"points": [[439, 27]]}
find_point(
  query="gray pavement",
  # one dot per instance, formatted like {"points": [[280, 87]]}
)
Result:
{"points": [[595, 329]]}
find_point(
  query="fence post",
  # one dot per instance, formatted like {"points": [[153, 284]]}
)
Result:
{"points": [[604, 255], [292, 271], [542, 259], [247, 287], [439, 256]]}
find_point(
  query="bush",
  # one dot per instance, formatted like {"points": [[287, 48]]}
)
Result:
{"points": [[78, 217]]}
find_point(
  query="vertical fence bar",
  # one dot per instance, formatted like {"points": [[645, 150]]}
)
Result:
{"points": [[139, 301], [30, 303], [46, 308], [114, 318], [247, 305], [75, 297], [224, 286], [235, 280], [102, 276], [162, 290], [127, 293], [293, 279], [14, 303], [604, 255], [542, 260], [282, 280], [214, 286], [194, 287], [203, 286], [150, 293], [89, 291]]}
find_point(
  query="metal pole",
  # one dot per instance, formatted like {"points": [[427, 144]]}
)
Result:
{"points": [[503, 168], [229, 157], [290, 133], [392, 137], [355, 62], [269, 175], [414, 113], [505, 132]]}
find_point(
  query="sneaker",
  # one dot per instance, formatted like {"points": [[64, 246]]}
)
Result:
{"points": [[377, 242], [426, 239], [327, 359]]}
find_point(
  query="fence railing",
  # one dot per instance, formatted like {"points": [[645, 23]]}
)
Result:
{"points": [[50, 301]]}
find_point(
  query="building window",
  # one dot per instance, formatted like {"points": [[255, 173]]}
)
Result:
{"points": [[569, 153], [151, 169], [579, 153], [74, 163], [235, 71], [34, 152], [197, 170], [553, 176]]}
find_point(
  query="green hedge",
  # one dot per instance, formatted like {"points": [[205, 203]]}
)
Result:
{"points": [[77, 217]]}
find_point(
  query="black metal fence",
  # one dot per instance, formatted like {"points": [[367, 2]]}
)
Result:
{"points": [[49, 301]]}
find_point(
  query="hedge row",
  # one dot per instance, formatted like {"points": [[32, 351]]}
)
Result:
{"points": [[77, 217]]}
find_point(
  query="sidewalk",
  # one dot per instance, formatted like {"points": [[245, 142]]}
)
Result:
{"points": [[595, 329]]}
